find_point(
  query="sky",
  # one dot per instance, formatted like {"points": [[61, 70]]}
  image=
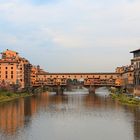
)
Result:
{"points": [[71, 35]]}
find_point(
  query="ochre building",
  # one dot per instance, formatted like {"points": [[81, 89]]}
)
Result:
{"points": [[14, 69]]}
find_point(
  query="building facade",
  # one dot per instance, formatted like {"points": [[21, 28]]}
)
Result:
{"points": [[127, 75], [136, 63], [14, 70]]}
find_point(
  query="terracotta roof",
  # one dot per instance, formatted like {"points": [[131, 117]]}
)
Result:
{"points": [[135, 51], [9, 50]]}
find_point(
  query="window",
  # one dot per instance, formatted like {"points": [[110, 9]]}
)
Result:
{"points": [[11, 67], [6, 76], [11, 76], [6, 68], [11, 72], [6, 72]]}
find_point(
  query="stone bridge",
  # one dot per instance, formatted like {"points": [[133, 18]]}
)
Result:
{"points": [[89, 80]]}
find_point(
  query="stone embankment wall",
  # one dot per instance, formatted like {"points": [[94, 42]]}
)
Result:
{"points": [[137, 91]]}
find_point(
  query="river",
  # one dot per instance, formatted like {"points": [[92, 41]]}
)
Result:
{"points": [[73, 116]]}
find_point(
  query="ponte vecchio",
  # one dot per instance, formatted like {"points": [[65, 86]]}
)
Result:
{"points": [[88, 80]]}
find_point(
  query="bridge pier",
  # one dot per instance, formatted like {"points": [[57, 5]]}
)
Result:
{"points": [[91, 90], [59, 90]]}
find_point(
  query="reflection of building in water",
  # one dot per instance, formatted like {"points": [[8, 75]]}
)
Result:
{"points": [[137, 123], [57, 99], [135, 111], [30, 107], [92, 101], [100, 102], [34, 103], [11, 116], [16, 114]]}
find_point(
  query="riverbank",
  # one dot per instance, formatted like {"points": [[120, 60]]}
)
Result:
{"points": [[125, 99], [6, 96]]}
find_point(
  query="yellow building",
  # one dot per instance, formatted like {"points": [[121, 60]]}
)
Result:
{"points": [[14, 69], [127, 76], [120, 69]]}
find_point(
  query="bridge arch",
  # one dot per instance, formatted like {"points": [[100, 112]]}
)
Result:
{"points": [[69, 81]]}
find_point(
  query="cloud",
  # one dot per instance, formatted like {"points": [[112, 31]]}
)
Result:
{"points": [[83, 28], [7, 39]]}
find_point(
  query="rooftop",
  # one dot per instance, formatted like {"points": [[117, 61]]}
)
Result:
{"points": [[7, 50], [135, 51]]}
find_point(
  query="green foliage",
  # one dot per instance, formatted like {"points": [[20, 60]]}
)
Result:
{"points": [[8, 94], [116, 90], [123, 98]]}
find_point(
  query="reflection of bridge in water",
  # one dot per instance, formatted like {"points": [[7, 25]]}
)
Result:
{"points": [[21, 114], [88, 80]]}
